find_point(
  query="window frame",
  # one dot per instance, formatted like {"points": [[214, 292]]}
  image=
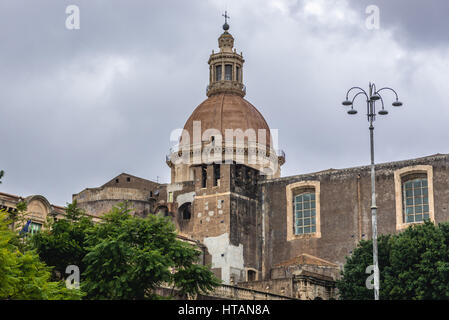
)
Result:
{"points": [[228, 67], [218, 72], [403, 175], [414, 191], [35, 227], [293, 190], [310, 202]]}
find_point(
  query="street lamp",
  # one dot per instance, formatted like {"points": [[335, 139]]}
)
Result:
{"points": [[372, 96]]}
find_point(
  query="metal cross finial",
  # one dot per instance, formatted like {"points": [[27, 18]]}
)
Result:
{"points": [[225, 15]]}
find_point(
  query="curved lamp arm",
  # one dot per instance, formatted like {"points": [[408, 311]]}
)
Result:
{"points": [[361, 92], [353, 88], [387, 88]]}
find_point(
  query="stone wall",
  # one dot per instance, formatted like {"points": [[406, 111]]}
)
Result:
{"points": [[345, 218]]}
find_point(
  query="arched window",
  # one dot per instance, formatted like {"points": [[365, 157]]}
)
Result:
{"points": [[185, 211], [237, 73], [251, 275], [415, 197], [303, 210], [218, 73], [162, 210], [305, 213], [228, 72]]}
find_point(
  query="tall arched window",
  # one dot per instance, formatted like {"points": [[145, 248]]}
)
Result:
{"points": [[305, 213], [185, 211], [415, 197], [303, 210], [218, 73], [228, 72]]}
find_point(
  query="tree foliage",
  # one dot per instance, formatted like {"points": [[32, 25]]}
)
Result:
{"points": [[22, 275], [63, 242], [124, 257], [413, 264], [129, 257]]}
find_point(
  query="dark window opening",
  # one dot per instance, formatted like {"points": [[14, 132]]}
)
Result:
{"points": [[128, 179], [216, 174], [185, 211], [228, 72], [237, 73], [247, 174], [203, 176], [116, 180], [251, 276], [163, 211], [218, 73]]}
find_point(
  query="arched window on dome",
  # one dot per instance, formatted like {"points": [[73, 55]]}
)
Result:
{"points": [[228, 72], [237, 73], [218, 73]]}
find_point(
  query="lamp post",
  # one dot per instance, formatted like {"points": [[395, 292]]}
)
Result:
{"points": [[372, 96]]}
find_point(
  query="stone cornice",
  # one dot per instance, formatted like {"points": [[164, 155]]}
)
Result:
{"points": [[380, 168]]}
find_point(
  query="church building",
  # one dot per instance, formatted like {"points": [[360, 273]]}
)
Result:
{"points": [[284, 235]]}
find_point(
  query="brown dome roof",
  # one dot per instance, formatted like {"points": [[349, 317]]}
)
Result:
{"points": [[227, 111]]}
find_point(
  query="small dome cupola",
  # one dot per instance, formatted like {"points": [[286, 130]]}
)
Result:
{"points": [[225, 67]]}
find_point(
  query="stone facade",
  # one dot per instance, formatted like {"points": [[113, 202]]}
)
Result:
{"points": [[38, 208], [247, 223], [345, 218]]}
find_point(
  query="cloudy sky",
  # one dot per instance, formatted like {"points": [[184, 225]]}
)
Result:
{"points": [[78, 107]]}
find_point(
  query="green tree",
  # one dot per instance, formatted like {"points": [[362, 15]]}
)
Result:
{"points": [[129, 257], [22, 275], [353, 283], [19, 216], [413, 264], [63, 242]]}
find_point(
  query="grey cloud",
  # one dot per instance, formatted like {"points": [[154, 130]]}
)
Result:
{"points": [[419, 23]]}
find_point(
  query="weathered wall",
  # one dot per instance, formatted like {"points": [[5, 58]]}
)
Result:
{"points": [[245, 219], [98, 201], [345, 209], [125, 180], [224, 217], [303, 286], [279, 286]]}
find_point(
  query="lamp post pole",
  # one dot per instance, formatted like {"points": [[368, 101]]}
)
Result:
{"points": [[371, 116], [371, 97]]}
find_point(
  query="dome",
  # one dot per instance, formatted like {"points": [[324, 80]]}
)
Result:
{"points": [[245, 135], [227, 111]]}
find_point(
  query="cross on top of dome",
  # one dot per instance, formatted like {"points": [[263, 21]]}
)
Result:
{"points": [[226, 25]]}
